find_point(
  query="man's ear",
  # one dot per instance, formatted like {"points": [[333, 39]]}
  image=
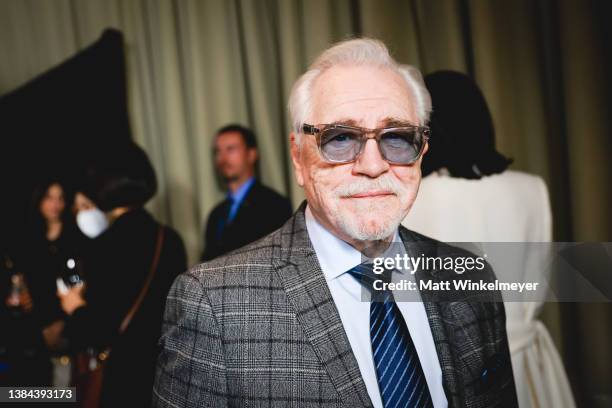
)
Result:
{"points": [[426, 148], [295, 159], [252, 155]]}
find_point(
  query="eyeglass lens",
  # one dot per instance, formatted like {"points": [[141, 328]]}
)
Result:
{"points": [[400, 146]]}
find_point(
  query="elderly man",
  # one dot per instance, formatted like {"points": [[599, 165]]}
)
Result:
{"points": [[281, 322]]}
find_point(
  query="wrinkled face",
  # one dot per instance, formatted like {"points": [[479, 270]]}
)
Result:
{"points": [[365, 200], [52, 204], [232, 156]]}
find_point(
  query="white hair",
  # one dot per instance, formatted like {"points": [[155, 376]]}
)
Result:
{"points": [[362, 51]]}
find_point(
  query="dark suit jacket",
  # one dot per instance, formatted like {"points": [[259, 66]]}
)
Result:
{"points": [[259, 327], [116, 266], [262, 211]]}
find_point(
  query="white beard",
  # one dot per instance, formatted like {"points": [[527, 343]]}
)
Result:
{"points": [[359, 230], [363, 228]]}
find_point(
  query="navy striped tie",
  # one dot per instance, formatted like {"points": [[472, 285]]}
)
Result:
{"points": [[400, 375]]}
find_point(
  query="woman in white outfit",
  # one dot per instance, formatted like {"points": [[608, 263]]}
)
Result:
{"points": [[468, 195]]}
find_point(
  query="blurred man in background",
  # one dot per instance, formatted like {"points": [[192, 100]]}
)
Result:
{"points": [[251, 210]]}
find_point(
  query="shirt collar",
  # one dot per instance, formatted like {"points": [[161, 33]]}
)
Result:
{"points": [[335, 256], [238, 195]]}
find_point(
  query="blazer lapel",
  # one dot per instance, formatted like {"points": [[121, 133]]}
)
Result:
{"points": [[297, 266], [435, 315]]}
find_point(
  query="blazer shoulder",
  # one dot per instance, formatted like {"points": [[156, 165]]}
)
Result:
{"points": [[440, 247], [268, 194], [415, 236], [443, 250], [216, 209], [240, 264]]}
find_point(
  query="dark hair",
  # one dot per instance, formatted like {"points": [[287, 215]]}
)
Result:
{"points": [[462, 132], [36, 222], [121, 177], [247, 134]]}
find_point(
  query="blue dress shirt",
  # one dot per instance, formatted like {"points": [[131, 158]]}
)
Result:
{"points": [[237, 197]]}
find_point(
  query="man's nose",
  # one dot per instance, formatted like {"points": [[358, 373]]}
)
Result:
{"points": [[370, 163]]}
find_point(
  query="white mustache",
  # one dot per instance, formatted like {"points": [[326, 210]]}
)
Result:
{"points": [[361, 186]]}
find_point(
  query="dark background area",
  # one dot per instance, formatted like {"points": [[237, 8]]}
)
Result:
{"points": [[54, 124]]}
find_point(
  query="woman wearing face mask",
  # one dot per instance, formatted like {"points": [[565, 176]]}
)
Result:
{"points": [[90, 219], [130, 257]]}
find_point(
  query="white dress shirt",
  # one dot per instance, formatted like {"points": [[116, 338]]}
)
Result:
{"points": [[337, 257]]}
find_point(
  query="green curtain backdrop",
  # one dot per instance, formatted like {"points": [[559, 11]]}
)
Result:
{"points": [[195, 65]]}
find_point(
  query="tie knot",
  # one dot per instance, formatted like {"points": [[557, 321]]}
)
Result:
{"points": [[365, 274]]}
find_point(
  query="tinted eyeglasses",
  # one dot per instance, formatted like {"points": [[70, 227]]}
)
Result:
{"points": [[344, 144]]}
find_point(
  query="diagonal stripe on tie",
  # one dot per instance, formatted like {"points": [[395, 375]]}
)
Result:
{"points": [[400, 376]]}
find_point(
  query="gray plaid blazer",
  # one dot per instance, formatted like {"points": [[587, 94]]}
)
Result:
{"points": [[259, 327]]}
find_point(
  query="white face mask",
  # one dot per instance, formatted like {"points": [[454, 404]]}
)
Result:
{"points": [[92, 222]]}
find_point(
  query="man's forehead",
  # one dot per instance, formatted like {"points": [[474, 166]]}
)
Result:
{"points": [[388, 121], [231, 137], [362, 95]]}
